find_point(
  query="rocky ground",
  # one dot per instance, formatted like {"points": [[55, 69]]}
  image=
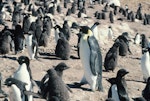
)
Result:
{"points": [[131, 63]]}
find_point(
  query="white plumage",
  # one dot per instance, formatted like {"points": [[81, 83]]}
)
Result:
{"points": [[114, 91], [85, 59], [23, 75], [145, 65], [137, 39]]}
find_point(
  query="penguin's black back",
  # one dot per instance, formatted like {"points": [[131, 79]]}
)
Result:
{"points": [[123, 49], [56, 86], [112, 57], [62, 49]]}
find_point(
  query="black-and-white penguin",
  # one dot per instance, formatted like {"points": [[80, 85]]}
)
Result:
{"points": [[137, 39], [146, 91], [144, 42], [56, 86], [26, 24], [23, 73], [120, 87], [95, 30], [32, 45], [139, 99], [145, 63], [18, 39], [5, 42], [111, 57], [17, 89], [91, 59], [62, 49]]}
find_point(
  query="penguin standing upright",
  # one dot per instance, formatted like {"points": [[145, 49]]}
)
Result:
{"points": [[66, 30], [95, 30], [145, 63], [24, 74], [91, 59], [137, 39], [44, 82], [18, 39], [146, 91], [144, 42], [111, 57], [110, 33], [121, 86], [62, 49], [17, 89], [32, 45], [111, 17], [56, 87]]}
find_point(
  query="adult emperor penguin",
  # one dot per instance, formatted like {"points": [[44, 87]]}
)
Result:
{"points": [[145, 63], [111, 57], [91, 59], [118, 89], [17, 89], [146, 91], [32, 45], [24, 74]]}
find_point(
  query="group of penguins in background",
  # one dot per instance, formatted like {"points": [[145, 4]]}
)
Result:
{"points": [[33, 30]]}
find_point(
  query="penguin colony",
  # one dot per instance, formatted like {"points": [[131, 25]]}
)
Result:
{"points": [[30, 26]]}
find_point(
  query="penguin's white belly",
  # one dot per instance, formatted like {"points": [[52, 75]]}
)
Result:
{"points": [[29, 47], [85, 59], [95, 32], [137, 39], [145, 65], [114, 91], [110, 34], [23, 75], [15, 94]]}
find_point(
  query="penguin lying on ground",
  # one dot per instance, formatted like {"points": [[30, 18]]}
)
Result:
{"points": [[91, 59], [118, 89], [111, 57], [18, 88], [146, 91]]}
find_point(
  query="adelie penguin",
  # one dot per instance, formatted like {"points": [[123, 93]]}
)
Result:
{"points": [[62, 49], [118, 89], [146, 91], [137, 39], [145, 64], [95, 30], [32, 45], [91, 59], [23, 73], [111, 57], [17, 89]]}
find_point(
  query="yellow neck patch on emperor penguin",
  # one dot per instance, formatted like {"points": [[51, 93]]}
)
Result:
{"points": [[85, 36]]}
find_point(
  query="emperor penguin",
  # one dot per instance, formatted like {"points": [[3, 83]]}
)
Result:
{"points": [[118, 89], [17, 89], [24, 74], [91, 59], [111, 57], [56, 87], [145, 63], [32, 45], [146, 91]]}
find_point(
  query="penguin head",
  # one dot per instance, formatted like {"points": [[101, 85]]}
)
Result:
{"points": [[96, 23], [8, 82], [24, 59], [30, 33], [61, 66], [122, 72], [52, 73], [86, 30]]}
